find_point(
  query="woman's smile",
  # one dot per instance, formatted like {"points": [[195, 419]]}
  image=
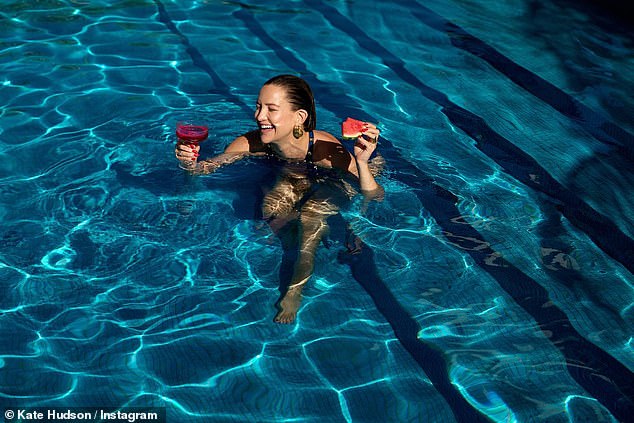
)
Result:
{"points": [[266, 129]]}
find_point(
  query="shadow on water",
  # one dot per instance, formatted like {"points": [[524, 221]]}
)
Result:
{"points": [[512, 159], [607, 12], [594, 369], [601, 128], [590, 175], [558, 262]]}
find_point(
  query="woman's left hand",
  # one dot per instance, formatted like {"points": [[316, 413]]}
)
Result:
{"points": [[366, 143]]}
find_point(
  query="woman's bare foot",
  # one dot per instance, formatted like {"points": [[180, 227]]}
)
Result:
{"points": [[288, 306]]}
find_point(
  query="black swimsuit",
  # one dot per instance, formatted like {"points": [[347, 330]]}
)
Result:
{"points": [[311, 142], [303, 172], [309, 153], [304, 167]]}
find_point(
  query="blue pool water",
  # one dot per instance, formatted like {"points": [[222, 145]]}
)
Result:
{"points": [[496, 277]]}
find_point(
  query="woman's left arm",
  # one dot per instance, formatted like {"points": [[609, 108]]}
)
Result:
{"points": [[363, 149], [331, 153]]}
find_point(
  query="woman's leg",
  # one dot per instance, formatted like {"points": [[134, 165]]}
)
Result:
{"points": [[312, 228], [279, 204]]}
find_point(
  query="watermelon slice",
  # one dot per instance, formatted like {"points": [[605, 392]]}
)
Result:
{"points": [[352, 129]]}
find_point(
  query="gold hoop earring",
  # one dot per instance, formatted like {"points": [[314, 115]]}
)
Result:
{"points": [[298, 132]]}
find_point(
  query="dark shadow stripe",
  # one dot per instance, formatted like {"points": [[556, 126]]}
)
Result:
{"points": [[219, 86], [330, 101], [608, 11], [599, 126], [405, 327], [554, 238], [520, 165]]}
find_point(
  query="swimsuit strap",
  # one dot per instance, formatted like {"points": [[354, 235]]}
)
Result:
{"points": [[311, 142], [309, 153]]}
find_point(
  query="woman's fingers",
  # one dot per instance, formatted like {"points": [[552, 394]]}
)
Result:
{"points": [[372, 137], [187, 151], [364, 147], [360, 143], [367, 142], [372, 132]]}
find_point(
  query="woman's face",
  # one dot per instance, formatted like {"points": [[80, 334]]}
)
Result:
{"points": [[274, 114]]}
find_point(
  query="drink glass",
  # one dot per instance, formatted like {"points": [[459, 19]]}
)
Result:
{"points": [[191, 132]]}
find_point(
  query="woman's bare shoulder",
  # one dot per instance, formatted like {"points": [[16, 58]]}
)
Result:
{"points": [[325, 136], [247, 143], [329, 152]]}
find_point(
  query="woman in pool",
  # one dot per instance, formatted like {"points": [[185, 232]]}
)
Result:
{"points": [[286, 117]]}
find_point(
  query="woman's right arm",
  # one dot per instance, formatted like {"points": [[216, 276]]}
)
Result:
{"points": [[238, 149]]}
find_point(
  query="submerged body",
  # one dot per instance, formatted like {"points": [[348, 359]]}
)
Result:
{"points": [[285, 114]]}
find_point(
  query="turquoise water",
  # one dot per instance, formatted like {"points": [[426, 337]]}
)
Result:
{"points": [[495, 282]]}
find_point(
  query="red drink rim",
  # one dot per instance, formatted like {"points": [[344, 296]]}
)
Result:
{"points": [[190, 132]]}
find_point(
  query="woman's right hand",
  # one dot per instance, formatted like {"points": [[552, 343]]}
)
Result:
{"points": [[186, 152], [366, 143]]}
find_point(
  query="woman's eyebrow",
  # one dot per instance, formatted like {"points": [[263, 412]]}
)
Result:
{"points": [[267, 104]]}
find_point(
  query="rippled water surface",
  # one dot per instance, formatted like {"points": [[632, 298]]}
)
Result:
{"points": [[495, 279]]}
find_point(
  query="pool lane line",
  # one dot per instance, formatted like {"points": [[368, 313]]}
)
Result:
{"points": [[429, 193], [220, 87], [513, 160], [615, 393], [441, 203], [599, 126]]}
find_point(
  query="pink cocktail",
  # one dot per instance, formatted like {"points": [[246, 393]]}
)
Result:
{"points": [[191, 132]]}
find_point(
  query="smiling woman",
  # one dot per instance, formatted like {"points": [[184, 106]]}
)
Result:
{"points": [[295, 93], [286, 117]]}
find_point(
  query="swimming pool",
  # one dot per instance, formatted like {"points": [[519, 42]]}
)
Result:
{"points": [[495, 281]]}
